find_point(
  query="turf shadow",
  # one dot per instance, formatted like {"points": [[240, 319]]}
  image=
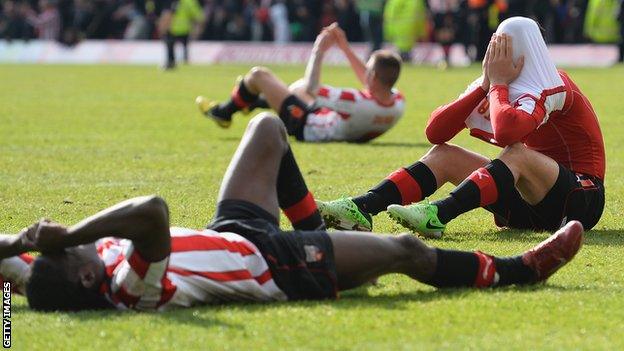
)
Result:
{"points": [[191, 316], [397, 144], [599, 237]]}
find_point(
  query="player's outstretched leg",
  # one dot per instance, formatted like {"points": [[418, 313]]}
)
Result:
{"points": [[363, 257], [531, 172], [263, 171], [404, 186]]}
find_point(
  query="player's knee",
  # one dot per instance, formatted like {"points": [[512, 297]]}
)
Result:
{"points": [[440, 149], [269, 129], [156, 208], [259, 72], [413, 248], [514, 152], [443, 151]]}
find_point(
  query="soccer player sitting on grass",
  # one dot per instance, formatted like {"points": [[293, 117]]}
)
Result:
{"points": [[243, 255], [314, 112], [552, 166]]}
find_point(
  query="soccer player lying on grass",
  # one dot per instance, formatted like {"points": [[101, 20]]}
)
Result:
{"points": [[314, 112], [243, 255], [552, 166]]}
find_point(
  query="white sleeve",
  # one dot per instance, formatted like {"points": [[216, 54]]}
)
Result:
{"points": [[16, 270]]}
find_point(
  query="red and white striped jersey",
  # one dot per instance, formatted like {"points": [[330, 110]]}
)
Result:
{"points": [[204, 267], [358, 115]]}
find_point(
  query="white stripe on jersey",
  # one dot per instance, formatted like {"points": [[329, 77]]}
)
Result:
{"points": [[351, 115], [219, 261], [204, 266]]}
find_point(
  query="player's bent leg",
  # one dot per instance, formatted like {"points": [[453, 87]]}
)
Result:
{"points": [[264, 172], [253, 171], [404, 186], [259, 80], [292, 110], [440, 158], [534, 172]]}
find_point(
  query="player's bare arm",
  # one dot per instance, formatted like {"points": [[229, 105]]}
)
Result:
{"points": [[312, 76], [14, 245], [357, 65], [144, 220]]}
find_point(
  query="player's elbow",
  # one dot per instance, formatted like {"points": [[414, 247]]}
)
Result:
{"points": [[506, 127], [505, 136], [155, 209], [433, 135]]}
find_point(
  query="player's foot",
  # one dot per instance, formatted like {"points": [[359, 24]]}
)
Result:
{"points": [[420, 218], [168, 66], [553, 253], [211, 110], [344, 214]]}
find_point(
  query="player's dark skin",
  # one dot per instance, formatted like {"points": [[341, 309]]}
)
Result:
{"points": [[251, 176]]}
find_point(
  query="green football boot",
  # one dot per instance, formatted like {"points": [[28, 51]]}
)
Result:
{"points": [[420, 218], [344, 214]]}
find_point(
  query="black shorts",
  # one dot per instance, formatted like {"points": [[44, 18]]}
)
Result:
{"points": [[294, 113], [301, 262], [574, 196]]}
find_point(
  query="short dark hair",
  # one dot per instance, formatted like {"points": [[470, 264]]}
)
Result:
{"points": [[387, 66], [48, 289]]}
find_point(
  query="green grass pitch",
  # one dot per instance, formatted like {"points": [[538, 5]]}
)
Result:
{"points": [[75, 139]]}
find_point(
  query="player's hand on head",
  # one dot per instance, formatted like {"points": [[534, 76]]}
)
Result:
{"points": [[500, 66], [486, 79], [49, 236]]}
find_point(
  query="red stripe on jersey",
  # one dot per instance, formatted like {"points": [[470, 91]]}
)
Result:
{"points": [[168, 290], [487, 187], [208, 243], [347, 95], [407, 185], [486, 272], [323, 111], [125, 297], [264, 277], [324, 92], [138, 264], [227, 276], [344, 115], [302, 209], [26, 258]]}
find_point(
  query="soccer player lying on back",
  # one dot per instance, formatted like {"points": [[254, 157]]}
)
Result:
{"points": [[552, 166], [314, 112], [243, 255]]}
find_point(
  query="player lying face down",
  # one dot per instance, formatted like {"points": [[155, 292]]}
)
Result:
{"points": [[128, 256], [315, 112], [551, 168]]}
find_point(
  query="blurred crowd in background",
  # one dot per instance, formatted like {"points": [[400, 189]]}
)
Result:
{"points": [[400, 22]]}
